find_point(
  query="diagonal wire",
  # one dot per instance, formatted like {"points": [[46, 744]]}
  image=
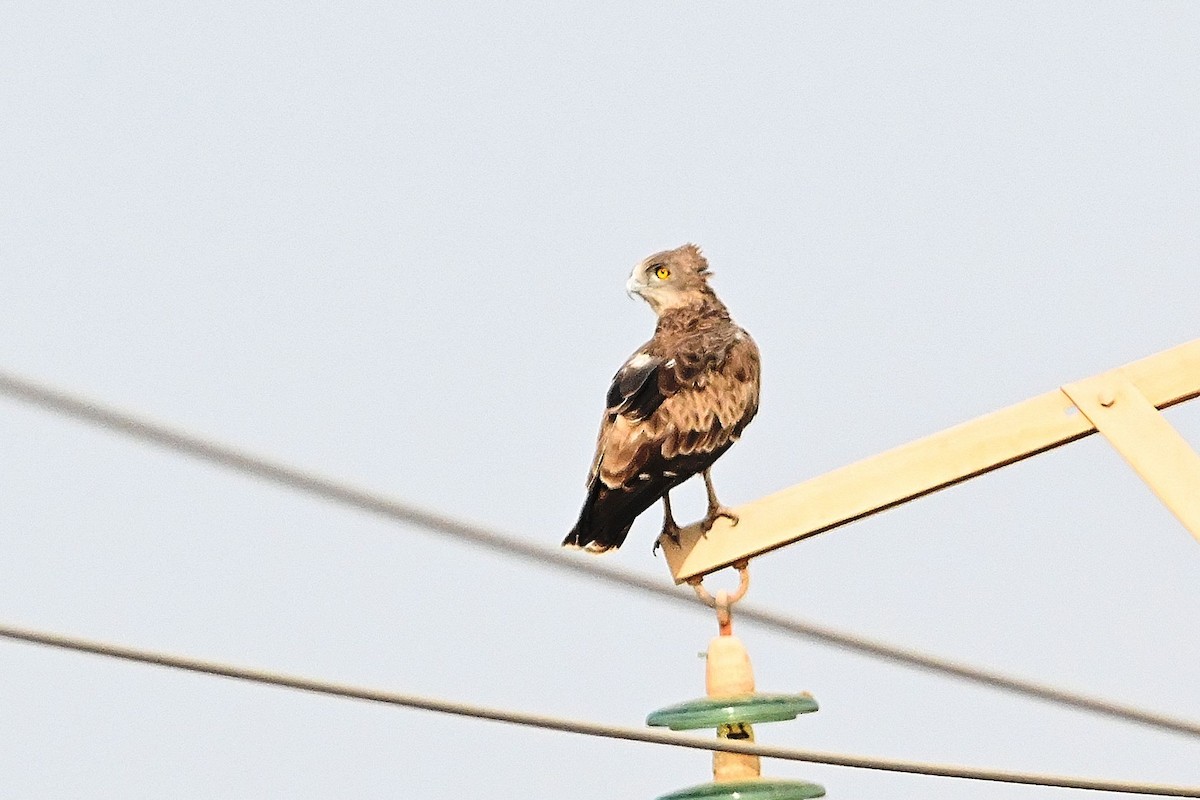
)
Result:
{"points": [[148, 430], [585, 728]]}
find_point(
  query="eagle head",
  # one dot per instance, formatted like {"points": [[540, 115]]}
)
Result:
{"points": [[670, 279]]}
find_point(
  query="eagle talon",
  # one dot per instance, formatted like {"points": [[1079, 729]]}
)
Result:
{"points": [[668, 532], [670, 528], [715, 509], [716, 513]]}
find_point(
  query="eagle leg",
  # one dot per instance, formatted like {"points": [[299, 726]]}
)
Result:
{"points": [[715, 509], [669, 529]]}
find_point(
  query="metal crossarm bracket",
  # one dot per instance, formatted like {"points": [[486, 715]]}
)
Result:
{"points": [[1144, 438], [1122, 404]]}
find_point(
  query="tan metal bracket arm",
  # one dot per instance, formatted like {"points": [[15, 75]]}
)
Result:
{"points": [[1144, 438], [957, 454]]}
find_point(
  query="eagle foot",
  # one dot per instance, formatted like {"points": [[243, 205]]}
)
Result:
{"points": [[715, 513], [668, 532]]}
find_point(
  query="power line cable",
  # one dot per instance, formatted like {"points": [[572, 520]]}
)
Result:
{"points": [[268, 677], [148, 430]]}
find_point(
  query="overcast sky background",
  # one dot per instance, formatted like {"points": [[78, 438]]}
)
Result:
{"points": [[389, 242]]}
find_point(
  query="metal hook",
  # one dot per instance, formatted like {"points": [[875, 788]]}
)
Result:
{"points": [[724, 601]]}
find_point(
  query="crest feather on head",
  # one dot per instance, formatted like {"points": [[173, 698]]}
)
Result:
{"points": [[697, 258], [690, 257]]}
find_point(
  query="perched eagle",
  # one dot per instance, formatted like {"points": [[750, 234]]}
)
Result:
{"points": [[674, 407]]}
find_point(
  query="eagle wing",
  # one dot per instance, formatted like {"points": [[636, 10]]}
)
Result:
{"points": [[674, 407]]}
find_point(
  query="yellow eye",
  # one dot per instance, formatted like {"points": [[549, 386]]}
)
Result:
{"points": [[662, 273]]}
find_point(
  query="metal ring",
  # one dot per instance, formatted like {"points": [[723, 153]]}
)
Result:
{"points": [[724, 600], [697, 584]]}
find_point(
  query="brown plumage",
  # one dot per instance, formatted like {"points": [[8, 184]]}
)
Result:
{"points": [[674, 407]]}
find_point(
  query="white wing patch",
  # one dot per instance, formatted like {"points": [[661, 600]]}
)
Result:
{"points": [[640, 360]]}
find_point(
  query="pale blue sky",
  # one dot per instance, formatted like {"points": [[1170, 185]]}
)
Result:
{"points": [[389, 242]]}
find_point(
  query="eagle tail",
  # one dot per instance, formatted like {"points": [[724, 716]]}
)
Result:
{"points": [[596, 540], [599, 532], [608, 514]]}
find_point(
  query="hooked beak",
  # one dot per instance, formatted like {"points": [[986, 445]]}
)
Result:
{"points": [[633, 288]]}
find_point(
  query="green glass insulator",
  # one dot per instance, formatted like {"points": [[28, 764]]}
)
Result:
{"points": [[749, 790], [709, 712]]}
